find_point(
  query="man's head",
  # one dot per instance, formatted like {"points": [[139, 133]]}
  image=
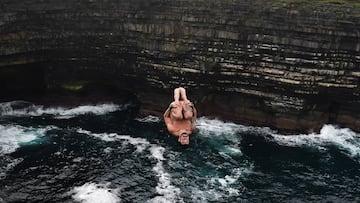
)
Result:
{"points": [[184, 138]]}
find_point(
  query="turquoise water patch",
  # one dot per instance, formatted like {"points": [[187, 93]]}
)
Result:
{"points": [[14, 136]]}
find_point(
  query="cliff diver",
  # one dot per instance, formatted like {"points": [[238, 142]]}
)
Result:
{"points": [[180, 117]]}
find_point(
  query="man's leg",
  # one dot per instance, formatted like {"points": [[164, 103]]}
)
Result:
{"points": [[176, 94], [182, 93]]}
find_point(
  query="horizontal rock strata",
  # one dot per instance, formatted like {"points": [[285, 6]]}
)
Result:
{"points": [[246, 61]]}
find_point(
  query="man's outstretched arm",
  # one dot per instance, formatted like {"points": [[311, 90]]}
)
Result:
{"points": [[168, 122], [167, 115]]}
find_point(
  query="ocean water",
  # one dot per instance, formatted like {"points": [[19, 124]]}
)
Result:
{"points": [[104, 153]]}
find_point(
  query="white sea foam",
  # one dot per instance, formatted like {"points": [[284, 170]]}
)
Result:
{"points": [[167, 192], [149, 119], [224, 135], [221, 188], [12, 136], [344, 139], [95, 193], [226, 138], [8, 109], [108, 150], [330, 135], [226, 182], [215, 127], [140, 143]]}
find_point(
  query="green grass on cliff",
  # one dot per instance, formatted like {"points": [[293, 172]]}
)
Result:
{"points": [[73, 87], [354, 4]]}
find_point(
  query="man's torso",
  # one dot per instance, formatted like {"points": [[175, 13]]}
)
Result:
{"points": [[182, 125]]}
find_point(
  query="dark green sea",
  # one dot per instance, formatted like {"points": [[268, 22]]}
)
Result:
{"points": [[105, 153]]}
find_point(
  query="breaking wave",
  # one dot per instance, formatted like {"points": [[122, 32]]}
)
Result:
{"points": [[21, 108], [224, 135], [215, 127], [344, 139], [13, 136]]}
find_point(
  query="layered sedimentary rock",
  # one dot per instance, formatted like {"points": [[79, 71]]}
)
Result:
{"points": [[251, 62]]}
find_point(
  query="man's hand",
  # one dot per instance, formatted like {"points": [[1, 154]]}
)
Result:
{"points": [[186, 102], [175, 104]]}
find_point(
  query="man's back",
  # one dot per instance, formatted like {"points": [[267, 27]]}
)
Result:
{"points": [[182, 126]]}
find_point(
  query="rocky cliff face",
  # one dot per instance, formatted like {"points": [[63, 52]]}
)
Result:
{"points": [[246, 61]]}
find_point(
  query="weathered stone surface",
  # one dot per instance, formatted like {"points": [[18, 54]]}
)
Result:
{"points": [[241, 60]]}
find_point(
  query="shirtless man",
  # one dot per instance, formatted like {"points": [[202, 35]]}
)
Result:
{"points": [[180, 117]]}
